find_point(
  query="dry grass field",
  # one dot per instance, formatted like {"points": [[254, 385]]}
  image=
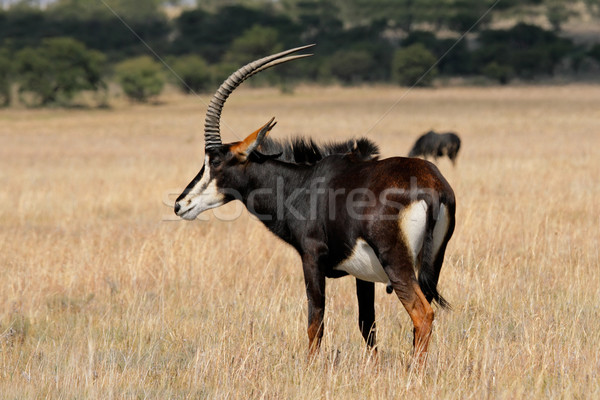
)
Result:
{"points": [[104, 294]]}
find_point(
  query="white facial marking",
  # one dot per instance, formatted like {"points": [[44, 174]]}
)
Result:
{"points": [[363, 264], [203, 196], [203, 182], [413, 222]]}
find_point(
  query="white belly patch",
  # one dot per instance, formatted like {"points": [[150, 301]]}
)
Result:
{"points": [[363, 264]]}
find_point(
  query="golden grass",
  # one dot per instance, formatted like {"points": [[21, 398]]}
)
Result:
{"points": [[103, 295]]}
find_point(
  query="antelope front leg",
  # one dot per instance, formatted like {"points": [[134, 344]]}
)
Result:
{"points": [[315, 292]]}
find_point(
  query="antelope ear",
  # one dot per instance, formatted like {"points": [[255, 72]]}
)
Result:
{"points": [[243, 149]]}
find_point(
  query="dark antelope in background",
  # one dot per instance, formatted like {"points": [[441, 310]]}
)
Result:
{"points": [[344, 211], [437, 145]]}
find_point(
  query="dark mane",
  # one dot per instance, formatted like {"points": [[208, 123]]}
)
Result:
{"points": [[305, 151]]}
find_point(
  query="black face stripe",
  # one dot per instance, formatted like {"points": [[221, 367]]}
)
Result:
{"points": [[191, 185]]}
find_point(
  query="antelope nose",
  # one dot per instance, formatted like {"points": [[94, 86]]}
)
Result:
{"points": [[177, 208]]}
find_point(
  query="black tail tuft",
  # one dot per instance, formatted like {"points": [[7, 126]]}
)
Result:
{"points": [[431, 292], [428, 273]]}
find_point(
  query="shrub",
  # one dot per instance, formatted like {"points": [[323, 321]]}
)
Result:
{"points": [[194, 72], [426, 38], [529, 50], [254, 43], [350, 66], [412, 65], [498, 72], [594, 52], [140, 78], [456, 62], [57, 70], [5, 78]]}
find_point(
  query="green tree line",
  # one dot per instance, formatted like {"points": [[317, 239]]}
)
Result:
{"points": [[48, 56]]}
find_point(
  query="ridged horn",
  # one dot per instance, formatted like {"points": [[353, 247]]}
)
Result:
{"points": [[212, 131]]}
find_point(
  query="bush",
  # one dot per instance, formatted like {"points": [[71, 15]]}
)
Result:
{"points": [[594, 52], [426, 38], [194, 72], [455, 62], [5, 78], [529, 50], [254, 43], [57, 70], [350, 66], [140, 78], [498, 72], [410, 66]]}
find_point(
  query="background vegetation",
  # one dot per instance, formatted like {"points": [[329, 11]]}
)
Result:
{"points": [[359, 41]]}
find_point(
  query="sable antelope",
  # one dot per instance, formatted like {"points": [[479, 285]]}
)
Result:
{"points": [[344, 211], [437, 145]]}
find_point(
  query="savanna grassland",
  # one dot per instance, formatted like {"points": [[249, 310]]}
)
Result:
{"points": [[104, 294]]}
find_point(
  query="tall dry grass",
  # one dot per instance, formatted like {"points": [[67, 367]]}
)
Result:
{"points": [[103, 295]]}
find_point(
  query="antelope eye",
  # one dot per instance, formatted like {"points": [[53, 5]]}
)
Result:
{"points": [[215, 162]]}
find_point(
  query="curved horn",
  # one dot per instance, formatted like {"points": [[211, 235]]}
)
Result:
{"points": [[212, 132]]}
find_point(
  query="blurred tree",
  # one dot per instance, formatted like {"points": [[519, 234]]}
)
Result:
{"points": [[351, 66], [215, 5], [458, 15], [529, 50], [57, 70], [22, 27], [558, 12], [319, 22], [98, 24], [593, 7], [25, 5], [465, 15], [211, 34], [457, 61], [194, 72], [126, 9], [426, 38], [318, 17], [5, 78], [412, 65], [221, 71], [498, 72], [254, 43], [594, 52], [80, 9], [396, 13], [141, 78], [87, 21]]}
